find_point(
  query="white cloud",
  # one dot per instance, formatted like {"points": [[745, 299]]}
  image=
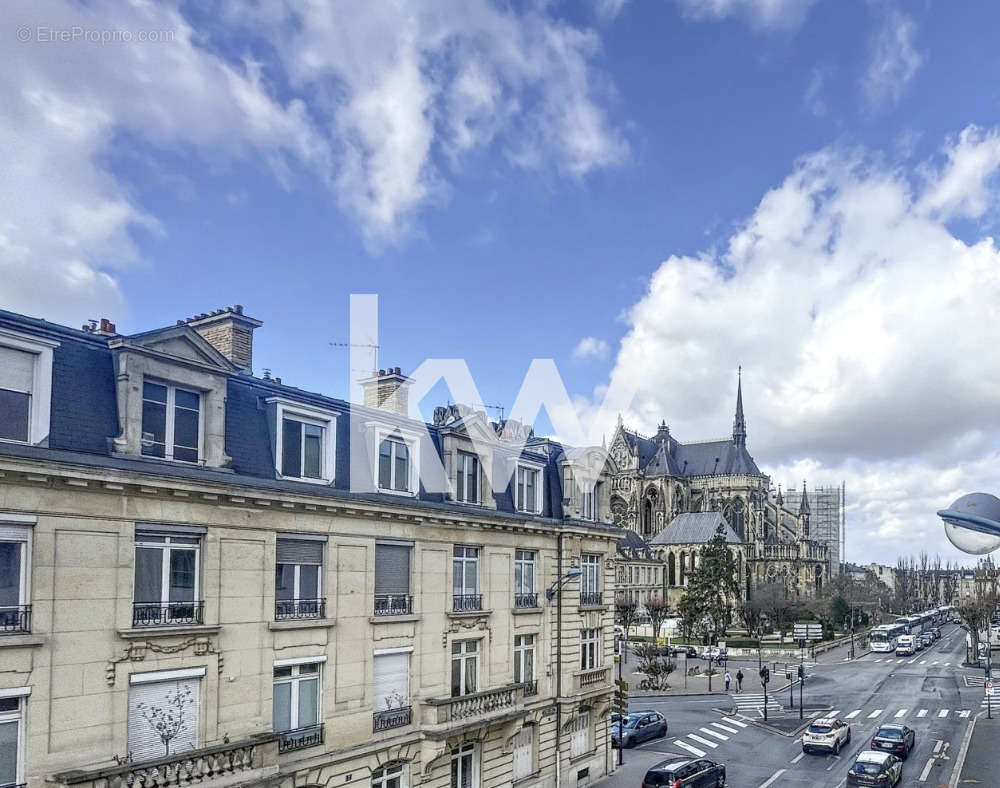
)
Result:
{"points": [[894, 61], [865, 328], [768, 14], [590, 347], [380, 102], [814, 93], [607, 10]]}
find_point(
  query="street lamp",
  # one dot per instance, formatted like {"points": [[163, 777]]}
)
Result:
{"points": [[972, 523], [571, 574]]}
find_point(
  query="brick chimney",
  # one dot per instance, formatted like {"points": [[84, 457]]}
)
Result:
{"points": [[230, 332], [379, 390]]}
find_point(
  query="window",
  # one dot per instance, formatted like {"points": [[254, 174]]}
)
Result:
{"points": [[392, 579], [464, 664], [524, 756], [579, 742], [12, 740], [15, 572], [392, 689], [524, 662], [166, 579], [158, 706], [527, 489], [298, 579], [524, 579], [590, 590], [392, 775], [467, 478], [171, 422], [25, 387], [590, 653], [465, 766], [588, 504], [296, 704], [465, 578], [394, 465]]}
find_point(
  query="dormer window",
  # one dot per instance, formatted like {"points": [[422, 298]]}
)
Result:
{"points": [[171, 422], [394, 465], [305, 439], [25, 387], [588, 504], [528, 489], [467, 478]]}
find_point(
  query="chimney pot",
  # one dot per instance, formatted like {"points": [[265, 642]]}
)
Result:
{"points": [[229, 332]]}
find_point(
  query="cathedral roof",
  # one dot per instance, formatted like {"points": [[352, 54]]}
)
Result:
{"points": [[714, 457], [695, 528]]}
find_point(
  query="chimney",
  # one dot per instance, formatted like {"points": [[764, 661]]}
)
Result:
{"points": [[380, 390], [230, 332]]}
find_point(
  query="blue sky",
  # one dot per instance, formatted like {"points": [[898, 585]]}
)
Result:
{"points": [[514, 179]]}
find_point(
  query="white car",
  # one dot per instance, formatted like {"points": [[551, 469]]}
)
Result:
{"points": [[828, 734], [714, 653]]}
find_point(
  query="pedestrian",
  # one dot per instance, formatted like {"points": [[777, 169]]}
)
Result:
{"points": [[728, 679], [739, 679]]}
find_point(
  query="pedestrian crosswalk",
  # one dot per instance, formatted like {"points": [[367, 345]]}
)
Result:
{"points": [[753, 702], [901, 660], [709, 737], [902, 714]]}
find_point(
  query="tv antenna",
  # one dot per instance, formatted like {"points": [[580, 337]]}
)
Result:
{"points": [[499, 409], [372, 347]]}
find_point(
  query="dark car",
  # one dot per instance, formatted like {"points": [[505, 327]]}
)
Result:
{"points": [[690, 774], [897, 739], [875, 768], [689, 651], [636, 727]]}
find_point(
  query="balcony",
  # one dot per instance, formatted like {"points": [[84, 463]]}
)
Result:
{"points": [[591, 599], [299, 609], [591, 678], [171, 614], [393, 605], [529, 688], [444, 717], [392, 718], [467, 603], [300, 738], [522, 601], [229, 764], [15, 620]]}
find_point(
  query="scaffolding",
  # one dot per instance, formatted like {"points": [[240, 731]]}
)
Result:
{"points": [[826, 520]]}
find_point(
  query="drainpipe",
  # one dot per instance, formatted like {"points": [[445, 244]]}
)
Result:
{"points": [[559, 574]]}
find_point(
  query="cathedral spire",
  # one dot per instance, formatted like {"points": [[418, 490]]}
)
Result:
{"points": [[804, 503], [781, 499], [739, 423]]}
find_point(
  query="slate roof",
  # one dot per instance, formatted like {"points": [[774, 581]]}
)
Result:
{"points": [[633, 545], [694, 528]]}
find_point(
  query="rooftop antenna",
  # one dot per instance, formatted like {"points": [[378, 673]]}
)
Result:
{"points": [[373, 348], [498, 408]]}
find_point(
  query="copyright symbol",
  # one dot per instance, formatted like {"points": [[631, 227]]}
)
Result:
{"points": [[24, 34]]}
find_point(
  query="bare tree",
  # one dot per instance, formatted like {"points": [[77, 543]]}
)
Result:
{"points": [[658, 611], [169, 719], [626, 612]]}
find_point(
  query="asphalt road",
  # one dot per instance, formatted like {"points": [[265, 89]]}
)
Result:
{"points": [[928, 692]]}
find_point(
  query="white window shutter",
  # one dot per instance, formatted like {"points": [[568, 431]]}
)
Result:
{"points": [[17, 369], [580, 736], [523, 756], [143, 741], [392, 680]]}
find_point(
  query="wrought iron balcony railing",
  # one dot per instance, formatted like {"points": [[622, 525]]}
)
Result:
{"points": [[465, 602], [295, 609], [525, 600], [590, 598], [393, 604], [300, 738], [392, 718], [170, 614], [15, 620], [530, 687]]}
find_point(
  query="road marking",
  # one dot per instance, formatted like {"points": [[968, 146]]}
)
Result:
{"points": [[922, 713], [773, 778], [875, 713], [901, 712], [937, 746], [898, 661], [735, 722], [878, 660], [927, 770], [935, 662], [833, 713], [943, 713], [798, 757], [923, 662], [852, 715], [697, 753], [946, 664], [716, 734], [912, 660], [700, 740], [964, 713], [726, 728]]}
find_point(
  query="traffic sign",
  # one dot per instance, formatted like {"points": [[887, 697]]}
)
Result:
{"points": [[990, 688]]}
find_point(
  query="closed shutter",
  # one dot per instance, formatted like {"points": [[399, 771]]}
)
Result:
{"points": [[523, 755], [579, 743], [300, 551], [392, 569], [17, 369], [143, 741], [392, 681]]}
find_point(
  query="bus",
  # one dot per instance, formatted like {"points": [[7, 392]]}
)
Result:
{"points": [[885, 638]]}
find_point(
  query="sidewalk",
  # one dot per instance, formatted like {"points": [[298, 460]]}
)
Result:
{"points": [[980, 767]]}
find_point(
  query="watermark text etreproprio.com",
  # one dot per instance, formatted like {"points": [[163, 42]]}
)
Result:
{"points": [[44, 34]]}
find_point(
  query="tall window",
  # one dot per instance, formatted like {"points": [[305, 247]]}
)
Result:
{"points": [[17, 377], [524, 579], [392, 579], [298, 579], [11, 724], [465, 578], [524, 756], [15, 610], [302, 448], [151, 702], [590, 589], [464, 667], [467, 478], [392, 689], [392, 775], [296, 705], [590, 648], [166, 579], [588, 504], [580, 739], [465, 766], [527, 489], [171, 422], [524, 659], [394, 465]]}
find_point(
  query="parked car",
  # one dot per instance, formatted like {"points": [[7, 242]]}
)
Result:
{"points": [[875, 768], [937, 633], [897, 739], [688, 773], [828, 734], [636, 727], [714, 653], [926, 639], [689, 651]]}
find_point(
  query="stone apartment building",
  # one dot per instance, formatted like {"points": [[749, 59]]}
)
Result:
{"points": [[197, 588]]}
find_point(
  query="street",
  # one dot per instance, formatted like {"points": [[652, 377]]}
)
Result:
{"points": [[930, 692]]}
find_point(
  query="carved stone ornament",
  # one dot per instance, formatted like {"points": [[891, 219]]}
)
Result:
{"points": [[136, 652]]}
